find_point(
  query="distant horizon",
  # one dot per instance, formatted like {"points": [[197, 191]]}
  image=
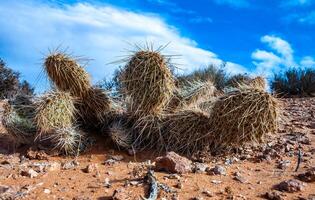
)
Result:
{"points": [[258, 38]]}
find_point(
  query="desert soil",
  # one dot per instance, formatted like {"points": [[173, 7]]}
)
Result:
{"points": [[96, 174]]}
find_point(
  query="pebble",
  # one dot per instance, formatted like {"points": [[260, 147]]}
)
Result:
{"points": [[291, 185], [217, 170], [29, 173]]}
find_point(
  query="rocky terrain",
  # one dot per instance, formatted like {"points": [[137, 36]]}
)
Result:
{"points": [[282, 168]]}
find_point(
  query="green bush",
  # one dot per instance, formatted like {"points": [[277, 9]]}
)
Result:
{"points": [[294, 82]]}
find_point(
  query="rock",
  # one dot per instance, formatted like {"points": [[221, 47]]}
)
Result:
{"points": [[216, 182], [11, 160], [7, 192], [173, 176], [120, 194], [284, 164], [199, 167], [36, 155], [208, 193], [117, 157], [240, 179], [173, 163], [291, 185], [217, 170], [110, 161], [52, 167], [311, 197], [29, 173], [90, 168], [107, 183], [274, 195], [81, 198], [47, 191], [308, 176], [69, 165], [179, 185]]}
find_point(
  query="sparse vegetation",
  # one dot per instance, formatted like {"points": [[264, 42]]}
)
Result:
{"points": [[10, 84], [294, 82]]}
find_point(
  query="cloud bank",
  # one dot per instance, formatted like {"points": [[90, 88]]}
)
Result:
{"points": [[279, 57], [101, 33]]}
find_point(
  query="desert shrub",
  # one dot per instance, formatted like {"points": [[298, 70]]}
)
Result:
{"points": [[294, 82], [10, 84], [217, 75], [234, 80]]}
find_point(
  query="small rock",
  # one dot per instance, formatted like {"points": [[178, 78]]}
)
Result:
{"points": [[173, 176], [11, 160], [134, 183], [208, 193], [308, 176], [179, 185], [47, 191], [240, 179], [173, 163], [284, 164], [216, 181], [274, 195], [107, 183], [217, 170], [197, 198], [69, 165], [90, 168], [51, 167], [199, 167], [29, 173], [120, 194], [7, 192], [117, 157], [110, 161], [36, 155], [291, 185]]}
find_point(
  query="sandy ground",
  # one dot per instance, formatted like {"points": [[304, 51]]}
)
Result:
{"points": [[257, 169]]}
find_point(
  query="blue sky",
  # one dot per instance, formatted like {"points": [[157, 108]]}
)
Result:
{"points": [[257, 37]]}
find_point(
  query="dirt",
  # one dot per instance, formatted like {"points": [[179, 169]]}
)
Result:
{"points": [[250, 173]]}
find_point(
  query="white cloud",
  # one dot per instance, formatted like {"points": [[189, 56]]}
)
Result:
{"points": [[199, 19], [308, 18], [280, 57], [233, 3], [29, 28], [280, 46], [307, 61]]}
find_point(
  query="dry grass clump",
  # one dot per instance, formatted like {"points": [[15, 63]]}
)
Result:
{"points": [[19, 128], [67, 140], [186, 131], [121, 135], [94, 106], [148, 81], [258, 83], [242, 116], [54, 110], [66, 74]]}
